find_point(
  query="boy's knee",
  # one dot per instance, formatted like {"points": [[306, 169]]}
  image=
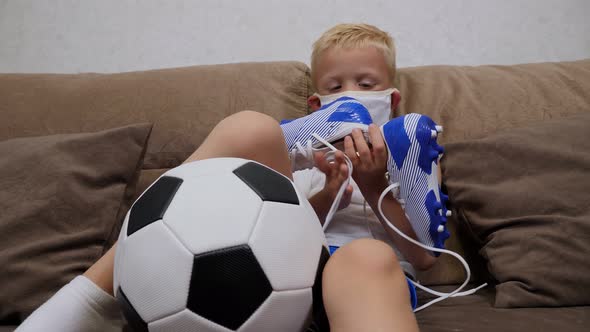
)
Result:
{"points": [[248, 115], [365, 256], [253, 124], [251, 120], [250, 129]]}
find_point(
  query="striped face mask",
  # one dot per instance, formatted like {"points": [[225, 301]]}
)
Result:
{"points": [[377, 102]]}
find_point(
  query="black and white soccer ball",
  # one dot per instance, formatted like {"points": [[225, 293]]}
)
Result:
{"points": [[221, 244]]}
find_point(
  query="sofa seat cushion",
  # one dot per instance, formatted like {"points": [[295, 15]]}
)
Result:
{"points": [[477, 313]]}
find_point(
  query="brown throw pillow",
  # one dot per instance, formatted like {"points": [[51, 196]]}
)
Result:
{"points": [[62, 198], [525, 195]]}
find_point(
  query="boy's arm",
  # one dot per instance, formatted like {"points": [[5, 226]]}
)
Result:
{"points": [[369, 166]]}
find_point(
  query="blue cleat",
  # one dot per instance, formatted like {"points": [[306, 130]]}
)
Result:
{"points": [[413, 163], [332, 122]]}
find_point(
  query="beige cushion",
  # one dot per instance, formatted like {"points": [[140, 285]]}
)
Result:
{"points": [[62, 198], [474, 102], [524, 195], [183, 103]]}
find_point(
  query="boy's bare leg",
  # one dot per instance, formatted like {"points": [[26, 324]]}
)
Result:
{"points": [[364, 289], [364, 286], [248, 135]]}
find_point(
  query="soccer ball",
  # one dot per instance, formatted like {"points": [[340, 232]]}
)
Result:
{"points": [[222, 244]]}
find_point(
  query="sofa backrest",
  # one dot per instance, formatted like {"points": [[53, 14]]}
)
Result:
{"points": [[474, 102], [183, 104]]}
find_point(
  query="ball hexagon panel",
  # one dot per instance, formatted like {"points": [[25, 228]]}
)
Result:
{"points": [[152, 204], [152, 258], [267, 183], [287, 241], [185, 321], [227, 286], [284, 311], [213, 212]]}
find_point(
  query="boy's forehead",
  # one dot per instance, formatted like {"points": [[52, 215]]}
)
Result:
{"points": [[334, 60]]}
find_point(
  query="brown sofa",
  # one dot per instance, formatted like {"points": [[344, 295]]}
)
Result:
{"points": [[486, 111]]}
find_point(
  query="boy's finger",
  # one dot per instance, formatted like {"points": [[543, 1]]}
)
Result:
{"points": [[350, 151], [319, 154], [339, 157], [361, 145], [346, 198], [318, 159], [378, 145], [322, 164], [343, 171]]}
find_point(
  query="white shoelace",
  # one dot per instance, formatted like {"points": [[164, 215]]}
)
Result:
{"points": [[441, 296]]}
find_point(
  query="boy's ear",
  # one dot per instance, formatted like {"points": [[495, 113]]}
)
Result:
{"points": [[314, 103], [396, 97]]}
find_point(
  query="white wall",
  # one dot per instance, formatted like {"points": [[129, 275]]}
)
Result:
{"points": [[123, 35]]}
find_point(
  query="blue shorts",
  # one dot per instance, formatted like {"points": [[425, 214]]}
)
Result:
{"points": [[411, 287]]}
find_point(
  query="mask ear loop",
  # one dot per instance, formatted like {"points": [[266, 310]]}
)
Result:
{"points": [[330, 156], [442, 296]]}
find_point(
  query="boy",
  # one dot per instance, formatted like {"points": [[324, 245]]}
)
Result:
{"points": [[358, 61], [354, 303]]}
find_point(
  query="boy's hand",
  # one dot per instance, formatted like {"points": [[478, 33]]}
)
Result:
{"points": [[369, 163], [336, 173]]}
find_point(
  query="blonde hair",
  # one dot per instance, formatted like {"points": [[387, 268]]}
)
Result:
{"points": [[347, 36]]}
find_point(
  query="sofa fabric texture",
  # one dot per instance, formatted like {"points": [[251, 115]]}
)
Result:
{"points": [[524, 195], [63, 198], [476, 102], [183, 103]]}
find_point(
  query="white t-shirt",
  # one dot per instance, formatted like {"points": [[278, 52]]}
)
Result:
{"points": [[353, 222]]}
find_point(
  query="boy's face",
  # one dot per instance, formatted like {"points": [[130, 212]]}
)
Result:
{"points": [[355, 69]]}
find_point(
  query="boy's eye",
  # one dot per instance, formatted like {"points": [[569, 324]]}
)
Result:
{"points": [[335, 88], [366, 85]]}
